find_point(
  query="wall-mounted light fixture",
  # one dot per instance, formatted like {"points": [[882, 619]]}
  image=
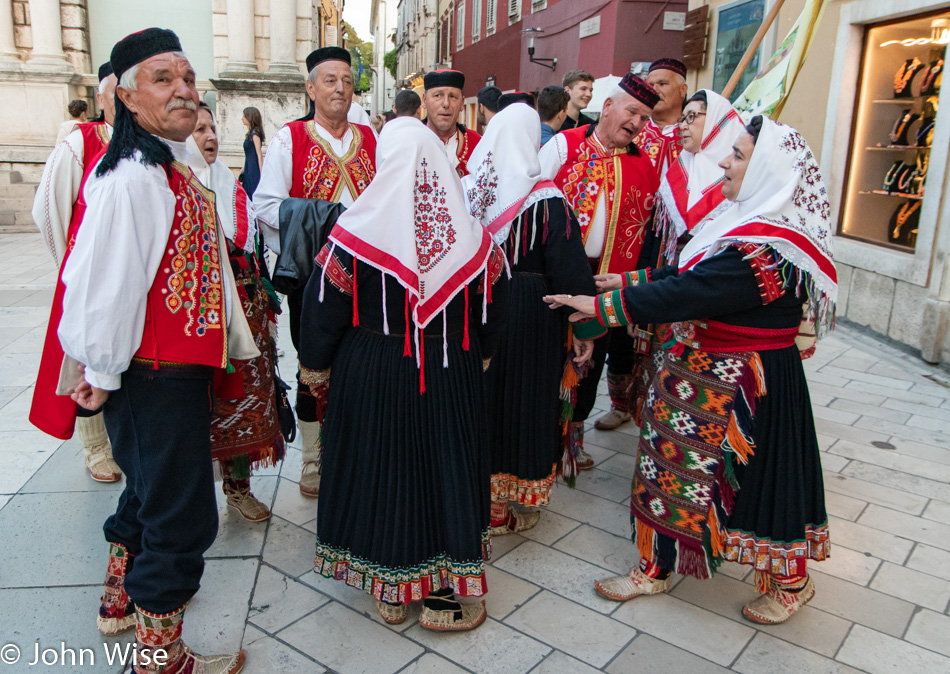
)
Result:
{"points": [[546, 62]]}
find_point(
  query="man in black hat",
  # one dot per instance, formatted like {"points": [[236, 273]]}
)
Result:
{"points": [[151, 310], [321, 156], [658, 138], [443, 102], [611, 185], [57, 211]]}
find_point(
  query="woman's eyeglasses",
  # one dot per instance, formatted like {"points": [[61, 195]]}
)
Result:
{"points": [[689, 117]]}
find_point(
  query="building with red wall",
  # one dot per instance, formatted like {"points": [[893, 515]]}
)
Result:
{"points": [[628, 31]]}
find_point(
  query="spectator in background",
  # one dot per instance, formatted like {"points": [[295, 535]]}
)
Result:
{"points": [[253, 152], [77, 115], [579, 84], [552, 107], [407, 104], [378, 121], [487, 104]]}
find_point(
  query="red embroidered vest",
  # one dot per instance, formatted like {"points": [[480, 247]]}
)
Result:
{"points": [[318, 173], [467, 140], [659, 148], [627, 182], [185, 319], [51, 413]]}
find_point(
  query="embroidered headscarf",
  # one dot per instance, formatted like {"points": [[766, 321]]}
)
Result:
{"points": [[691, 190], [412, 222], [235, 211], [505, 176], [783, 204]]}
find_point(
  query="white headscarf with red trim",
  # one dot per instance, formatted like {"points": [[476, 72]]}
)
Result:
{"points": [[412, 222], [505, 174], [782, 204], [691, 190], [235, 210]]}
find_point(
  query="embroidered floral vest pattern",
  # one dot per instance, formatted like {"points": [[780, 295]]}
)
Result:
{"points": [[319, 173]]}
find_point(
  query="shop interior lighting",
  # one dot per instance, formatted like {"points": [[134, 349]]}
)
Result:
{"points": [[939, 34]]}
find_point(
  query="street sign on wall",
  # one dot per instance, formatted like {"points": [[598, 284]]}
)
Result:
{"points": [[694, 37]]}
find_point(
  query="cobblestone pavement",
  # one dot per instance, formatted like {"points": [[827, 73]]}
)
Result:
{"points": [[881, 606]]}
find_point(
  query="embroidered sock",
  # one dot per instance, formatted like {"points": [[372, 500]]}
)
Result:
{"points": [[792, 584], [653, 571]]}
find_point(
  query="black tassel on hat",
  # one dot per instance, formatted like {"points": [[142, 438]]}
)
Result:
{"points": [[127, 135]]}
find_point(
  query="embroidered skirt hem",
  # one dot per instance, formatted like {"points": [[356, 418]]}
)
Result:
{"points": [[526, 492], [405, 585]]}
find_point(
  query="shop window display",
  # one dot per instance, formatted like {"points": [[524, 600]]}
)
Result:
{"points": [[891, 143]]}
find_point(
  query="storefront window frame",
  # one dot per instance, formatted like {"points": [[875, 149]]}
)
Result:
{"points": [[913, 267]]}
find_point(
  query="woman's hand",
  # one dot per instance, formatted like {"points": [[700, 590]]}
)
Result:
{"points": [[607, 282], [585, 305], [584, 349]]}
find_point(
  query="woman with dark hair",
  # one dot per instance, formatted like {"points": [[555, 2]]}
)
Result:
{"points": [[728, 466], [253, 152]]}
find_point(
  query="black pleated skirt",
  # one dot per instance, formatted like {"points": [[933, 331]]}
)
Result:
{"points": [[404, 497], [780, 504], [523, 395]]}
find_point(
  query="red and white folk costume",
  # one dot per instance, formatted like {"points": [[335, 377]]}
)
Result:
{"points": [[58, 210], [660, 145], [409, 303], [245, 430], [691, 189], [306, 161]]}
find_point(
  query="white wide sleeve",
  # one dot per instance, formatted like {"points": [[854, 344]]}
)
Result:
{"points": [[274, 187], [110, 271], [552, 156], [57, 193]]}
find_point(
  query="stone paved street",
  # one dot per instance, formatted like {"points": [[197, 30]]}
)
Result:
{"points": [[882, 603]]}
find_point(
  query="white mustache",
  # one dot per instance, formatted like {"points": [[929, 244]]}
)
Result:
{"points": [[181, 103]]}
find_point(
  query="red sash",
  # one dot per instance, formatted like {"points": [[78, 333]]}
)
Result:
{"points": [[51, 413], [627, 182]]}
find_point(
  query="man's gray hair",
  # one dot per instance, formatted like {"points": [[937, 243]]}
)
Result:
{"points": [[129, 78], [102, 85]]}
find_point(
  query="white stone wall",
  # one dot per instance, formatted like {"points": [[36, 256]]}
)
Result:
{"points": [[307, 36]]}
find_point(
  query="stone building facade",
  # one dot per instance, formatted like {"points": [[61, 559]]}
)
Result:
{"points": [[246, 52]]}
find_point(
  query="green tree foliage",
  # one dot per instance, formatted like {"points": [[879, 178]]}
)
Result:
{"points": [[360, 52], [390, 60]]}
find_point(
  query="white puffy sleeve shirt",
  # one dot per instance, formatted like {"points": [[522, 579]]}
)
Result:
{"points": [[129, 214]]}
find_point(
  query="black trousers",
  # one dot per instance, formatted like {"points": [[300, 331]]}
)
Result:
{"points": [[159, 423], [616, 350], [306, 407]]}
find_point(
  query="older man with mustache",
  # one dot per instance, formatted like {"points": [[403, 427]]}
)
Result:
{"points": [[151, 310]]}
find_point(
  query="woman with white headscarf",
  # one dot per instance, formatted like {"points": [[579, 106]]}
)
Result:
{"points": [[528, 217], [690, 193], [407, 305], [245, 429], [728, 466]]}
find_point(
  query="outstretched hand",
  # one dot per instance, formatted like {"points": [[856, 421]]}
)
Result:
{"points": [[607, 282], [586, 306]]}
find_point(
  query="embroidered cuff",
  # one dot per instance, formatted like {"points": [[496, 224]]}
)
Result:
{"points": [[610, 311], [314, 377], [588, 329], [636, 278]]}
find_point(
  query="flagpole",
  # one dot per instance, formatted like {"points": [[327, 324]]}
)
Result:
{"points": [[753, 46]]}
